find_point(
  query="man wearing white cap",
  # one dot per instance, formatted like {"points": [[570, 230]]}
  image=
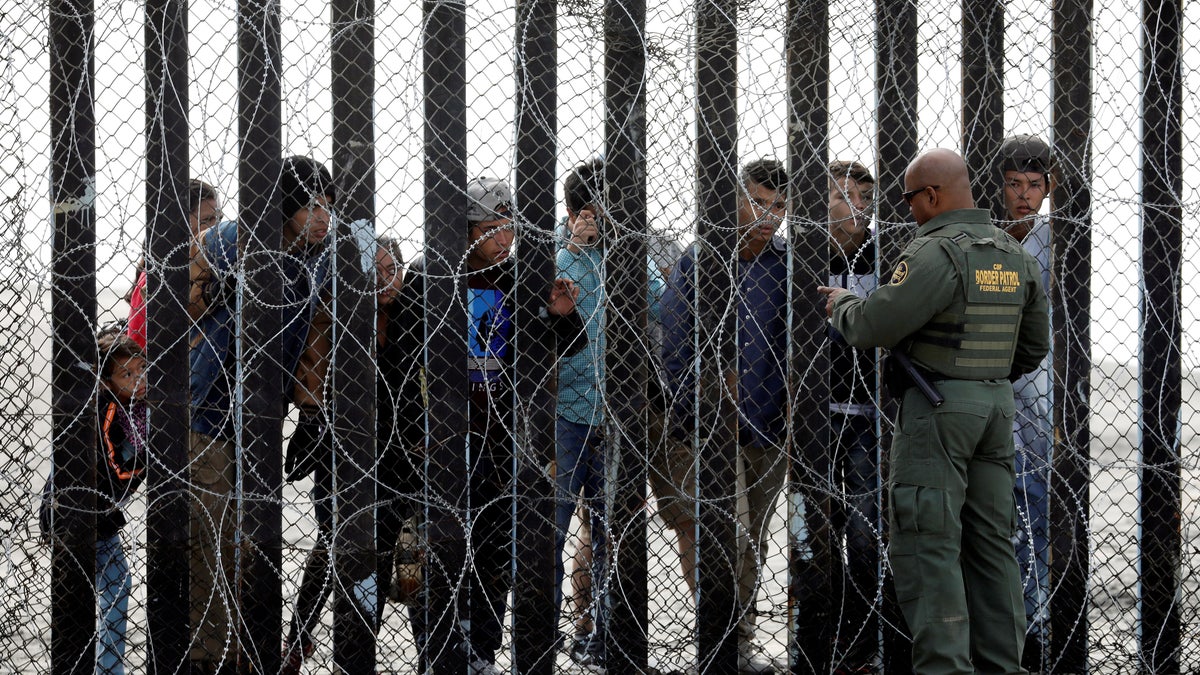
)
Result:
{"points": [[471, 628]]}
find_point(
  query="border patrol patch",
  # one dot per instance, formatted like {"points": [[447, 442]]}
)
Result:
{"points": [[900, 274]]}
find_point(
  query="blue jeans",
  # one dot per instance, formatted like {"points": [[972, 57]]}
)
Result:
{"points": [[580, 475], [113, 587], [1031, 436]]}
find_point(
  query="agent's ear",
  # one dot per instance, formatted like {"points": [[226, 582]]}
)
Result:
{"points": [[931, 195]]}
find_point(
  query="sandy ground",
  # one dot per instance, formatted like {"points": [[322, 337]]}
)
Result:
{"points": [[24, 611]]}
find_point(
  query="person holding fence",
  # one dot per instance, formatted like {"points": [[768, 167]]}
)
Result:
{"points": [[310, 452], [469, 629], [759, 384], [1028, 179], [966, 307], [580, 462], [844, 504], [306, 192], [121, 426]]}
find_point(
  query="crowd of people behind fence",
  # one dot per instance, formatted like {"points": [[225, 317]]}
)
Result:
{"points": [[966, 303]]}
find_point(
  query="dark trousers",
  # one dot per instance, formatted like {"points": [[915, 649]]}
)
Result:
{"points": [[951, 528], [841, 512], [317, 580], [462, 616]]}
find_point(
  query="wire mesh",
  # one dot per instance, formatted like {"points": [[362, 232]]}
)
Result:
{"points": [[386, 508]]}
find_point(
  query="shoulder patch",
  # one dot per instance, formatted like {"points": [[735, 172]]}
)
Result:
{"points": [[900, 274]]}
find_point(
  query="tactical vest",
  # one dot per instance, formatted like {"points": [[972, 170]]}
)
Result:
{"points": [[975, 337]]}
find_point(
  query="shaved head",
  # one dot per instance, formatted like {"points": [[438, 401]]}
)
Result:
{"points": [[945, 175]]}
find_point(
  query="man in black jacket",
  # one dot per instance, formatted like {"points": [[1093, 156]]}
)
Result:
{"points": [[484, 515], [844, 502]]}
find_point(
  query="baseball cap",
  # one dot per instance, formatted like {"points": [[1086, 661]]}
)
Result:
{"points": [[488, 199], [1025, 152]]}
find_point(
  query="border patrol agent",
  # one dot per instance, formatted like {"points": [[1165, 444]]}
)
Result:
{"points": [[966, 304]]}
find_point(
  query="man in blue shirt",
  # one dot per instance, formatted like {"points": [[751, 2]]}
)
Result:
{"points": [[1028, 180], [580, 424], [759, 383], [306, 191]]}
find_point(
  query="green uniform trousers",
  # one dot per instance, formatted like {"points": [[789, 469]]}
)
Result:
{"points": [[952, 520]]}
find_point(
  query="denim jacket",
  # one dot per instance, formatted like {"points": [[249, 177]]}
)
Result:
{"points": [[211, 357], [581, 377]]}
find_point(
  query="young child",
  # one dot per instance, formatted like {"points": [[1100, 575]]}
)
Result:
{"points": [[120, 462], [121, 443]]}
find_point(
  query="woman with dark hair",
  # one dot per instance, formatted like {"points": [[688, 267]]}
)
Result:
{"points": [[310, 452], [204, 211]]}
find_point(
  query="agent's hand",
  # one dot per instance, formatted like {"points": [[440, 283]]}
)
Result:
{"points": [[831, 296], [562, 297]]}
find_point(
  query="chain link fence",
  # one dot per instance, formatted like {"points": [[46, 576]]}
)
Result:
{"points": [[305, 214]]}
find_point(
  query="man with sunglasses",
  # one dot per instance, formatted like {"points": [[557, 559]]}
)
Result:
{"points": [[966, 305]]}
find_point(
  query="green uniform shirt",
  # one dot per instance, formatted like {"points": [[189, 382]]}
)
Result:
{"points": [[927, 281]]}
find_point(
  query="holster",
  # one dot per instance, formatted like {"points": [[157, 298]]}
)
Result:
{"points": [[894, 378], [900, 373]]}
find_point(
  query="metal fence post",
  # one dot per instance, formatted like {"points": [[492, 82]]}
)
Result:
{"points": [[352, 368], [535, 634], [1160, 376], [814, 618], [896, 123], [73, 353], [258, 408], [444, 45], [983, 99], [167, 238], [627, 440], [715, 439], [1070, 301], [896, 143]]}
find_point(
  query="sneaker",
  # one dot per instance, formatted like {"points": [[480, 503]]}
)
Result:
{"points": [[588, 653], [482, 667], [753, 659]]}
